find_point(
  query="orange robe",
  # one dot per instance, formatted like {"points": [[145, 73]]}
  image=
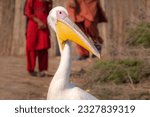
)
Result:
{"points": [[87, 14]]}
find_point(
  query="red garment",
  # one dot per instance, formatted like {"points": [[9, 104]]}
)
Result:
{"points": [[42, 60], [87, 14], [36, 38]]}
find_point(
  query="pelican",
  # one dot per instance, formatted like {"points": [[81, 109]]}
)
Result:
{"points": [[66, 31]]}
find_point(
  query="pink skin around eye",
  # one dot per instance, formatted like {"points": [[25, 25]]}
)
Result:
{"points": [[61, 14]]}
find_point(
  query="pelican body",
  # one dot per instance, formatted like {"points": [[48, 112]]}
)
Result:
{"points": [[66, 31]]}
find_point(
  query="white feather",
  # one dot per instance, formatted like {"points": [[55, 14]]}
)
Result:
{"points": [[60, 87]]}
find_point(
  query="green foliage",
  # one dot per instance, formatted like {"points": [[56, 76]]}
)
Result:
{"points": [[118, 71], [140, 35]]}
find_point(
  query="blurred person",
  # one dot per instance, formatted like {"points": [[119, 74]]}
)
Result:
{"points": [[37, 35], [87, 14]]}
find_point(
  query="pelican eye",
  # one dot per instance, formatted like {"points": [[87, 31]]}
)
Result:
{"points": [[60, 12]]}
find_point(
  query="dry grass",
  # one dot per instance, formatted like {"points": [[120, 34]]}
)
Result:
{"points": [[118, 79], [139, 35]]}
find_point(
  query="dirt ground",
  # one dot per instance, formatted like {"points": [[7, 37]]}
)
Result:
{"points": [[16, 83]]}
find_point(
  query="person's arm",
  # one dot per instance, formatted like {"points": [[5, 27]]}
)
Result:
{"points": [[41, 25], [29, 13], [29, 9]]}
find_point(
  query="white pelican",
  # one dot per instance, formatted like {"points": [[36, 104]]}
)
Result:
{"points": [[60, 87]]}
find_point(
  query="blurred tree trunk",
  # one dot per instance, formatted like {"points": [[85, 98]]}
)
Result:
{"points": [[19, 27], [6, 26]]}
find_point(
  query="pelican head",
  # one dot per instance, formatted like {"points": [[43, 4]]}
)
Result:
{"points": [[65, 29]]}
